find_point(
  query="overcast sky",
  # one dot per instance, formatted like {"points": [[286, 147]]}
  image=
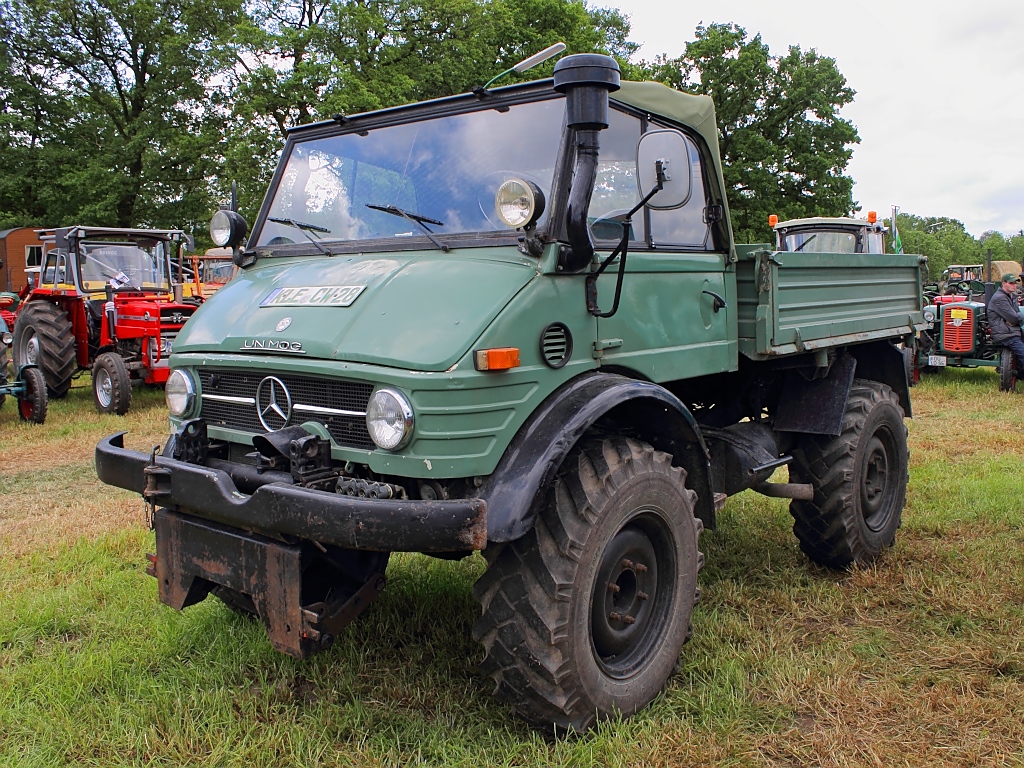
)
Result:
{"points": [[940, 92]]}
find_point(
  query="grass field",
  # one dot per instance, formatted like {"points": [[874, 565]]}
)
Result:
{"points": [[917, 660]]}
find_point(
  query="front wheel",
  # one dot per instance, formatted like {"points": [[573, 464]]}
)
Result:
{"points": [[859, 477], [33, 403], [1007, 371], [111, 384], [583, 617]]}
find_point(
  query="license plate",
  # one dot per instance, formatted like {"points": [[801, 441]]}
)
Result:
{"points": [[937, 361]]}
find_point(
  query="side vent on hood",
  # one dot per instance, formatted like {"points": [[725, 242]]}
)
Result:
{"points": [[556, 345]]}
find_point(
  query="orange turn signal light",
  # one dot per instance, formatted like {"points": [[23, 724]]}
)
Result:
{"points": [[500, 359], [872, 217], [773, 220]]}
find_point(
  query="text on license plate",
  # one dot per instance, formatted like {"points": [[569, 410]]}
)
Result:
{"points": [[937, 361]]}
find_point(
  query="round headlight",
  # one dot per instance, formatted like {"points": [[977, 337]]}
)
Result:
{"points": [[6, 338], [519, 203], [389, 419], [180, 392], [227, 228], [929, 314]]}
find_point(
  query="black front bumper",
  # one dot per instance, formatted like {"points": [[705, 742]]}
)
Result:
{"points": [[276, 509]]}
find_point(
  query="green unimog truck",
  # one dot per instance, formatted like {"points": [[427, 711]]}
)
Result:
{"points": [[515, 321]]}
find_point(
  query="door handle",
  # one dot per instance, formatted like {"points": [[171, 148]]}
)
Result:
{"points": [[719, 302]]}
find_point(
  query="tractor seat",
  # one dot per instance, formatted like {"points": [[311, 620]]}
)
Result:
{"points": [[95, 307]]}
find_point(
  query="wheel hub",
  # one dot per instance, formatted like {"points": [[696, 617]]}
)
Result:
{"points": [[104, 387], [32, 351], [627, 583], [877, 483]]}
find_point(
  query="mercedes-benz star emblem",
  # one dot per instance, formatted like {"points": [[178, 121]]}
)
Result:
{"points": [[273, 404], [284, 324]]}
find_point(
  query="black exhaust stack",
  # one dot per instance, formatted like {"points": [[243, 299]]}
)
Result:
{"points": [[586, 79]]}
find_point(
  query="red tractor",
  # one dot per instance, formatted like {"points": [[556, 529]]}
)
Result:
{"points": [[106, 302]]}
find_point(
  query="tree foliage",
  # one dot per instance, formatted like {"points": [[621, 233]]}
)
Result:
{"points": [[109, 108]]}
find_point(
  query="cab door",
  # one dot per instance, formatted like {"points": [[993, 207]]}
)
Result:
{"points": [[673, 316]]}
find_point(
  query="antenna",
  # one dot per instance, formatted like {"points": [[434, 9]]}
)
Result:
{"points": [[528, 63]]}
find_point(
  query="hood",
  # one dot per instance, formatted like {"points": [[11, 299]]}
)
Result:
{"points": [[419, 310]]}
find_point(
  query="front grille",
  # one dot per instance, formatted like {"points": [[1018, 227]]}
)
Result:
{"points": [[957, 332], [311, 392]]}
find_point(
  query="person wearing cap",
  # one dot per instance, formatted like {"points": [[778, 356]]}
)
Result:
{"points": [[1005, 319]]}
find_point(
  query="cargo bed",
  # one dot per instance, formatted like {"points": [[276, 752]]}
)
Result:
{"points": [[791, 302]]}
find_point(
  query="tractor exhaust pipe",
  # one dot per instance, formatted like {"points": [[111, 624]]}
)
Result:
{"points": [[586, 79]]}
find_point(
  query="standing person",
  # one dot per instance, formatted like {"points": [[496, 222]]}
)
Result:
{"points": [[1005, 319]]}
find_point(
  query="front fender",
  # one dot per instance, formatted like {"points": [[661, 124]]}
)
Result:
{"points": [[515, 490]]}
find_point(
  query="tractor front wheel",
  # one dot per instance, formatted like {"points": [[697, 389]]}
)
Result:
{"points": [[859, 477], [111, 384], [43, 336], [32, 404], [584, 616], [1007, 371]]}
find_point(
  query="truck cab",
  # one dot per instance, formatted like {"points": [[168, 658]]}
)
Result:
{"points": [[830, 235]]}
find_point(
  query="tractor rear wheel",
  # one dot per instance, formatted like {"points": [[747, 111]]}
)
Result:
{"points": [[584, 616], [111, 384], [43, 336], [1007, 371], [5, 360], [859, 478], [32, 405]]}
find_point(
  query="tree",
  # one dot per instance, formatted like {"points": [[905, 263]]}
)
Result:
{"points": [[784, 146], [110, 108]]}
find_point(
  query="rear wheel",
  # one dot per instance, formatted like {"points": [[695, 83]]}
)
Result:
{"points": [[1007, 371], [583, 617], [43, 336], [5, 359], [32, 404], [111, 384], [859, 478]]}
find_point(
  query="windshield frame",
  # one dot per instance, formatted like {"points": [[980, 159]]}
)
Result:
{"points": [[499, 99]]}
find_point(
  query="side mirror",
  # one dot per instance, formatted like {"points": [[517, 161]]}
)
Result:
{"points": [[668, 147]]}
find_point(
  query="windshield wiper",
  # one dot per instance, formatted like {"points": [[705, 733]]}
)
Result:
{"points": [[415, 218], [805, 242], [305, 229]]}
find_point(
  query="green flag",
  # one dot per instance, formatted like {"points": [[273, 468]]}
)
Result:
{"points": [[897, 244]]}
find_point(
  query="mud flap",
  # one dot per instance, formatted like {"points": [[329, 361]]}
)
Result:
{"points": [[193, 556]]}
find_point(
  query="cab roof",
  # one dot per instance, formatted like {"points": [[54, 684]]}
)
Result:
{"points": [[825, 221]]}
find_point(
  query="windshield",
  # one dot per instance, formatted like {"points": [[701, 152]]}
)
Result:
{"points": [[444, 171], [145, 267], [821, 242], [216, 270]]}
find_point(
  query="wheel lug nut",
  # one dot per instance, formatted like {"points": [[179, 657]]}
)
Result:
{"points": [[627, 563], [615, 616], [641, 568], [614, 588], [642, 595], [628, 619]]}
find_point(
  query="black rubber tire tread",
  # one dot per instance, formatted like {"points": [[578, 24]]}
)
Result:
{"points": [[1007, 371], [831, 528], [57, 356], [236, 601], [527, 593], [36, 394], [120, 384]]}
